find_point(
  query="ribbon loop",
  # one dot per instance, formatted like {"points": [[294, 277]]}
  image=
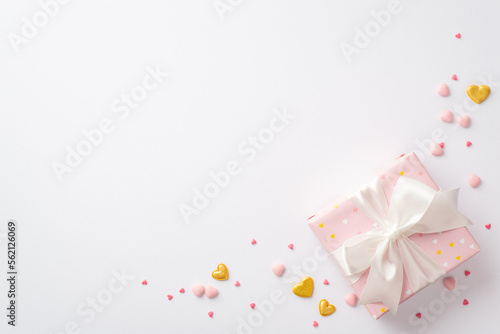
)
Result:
{"points": [[386, 250]]}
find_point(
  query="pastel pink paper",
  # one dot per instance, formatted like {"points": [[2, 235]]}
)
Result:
{"points": [[334, 216]]}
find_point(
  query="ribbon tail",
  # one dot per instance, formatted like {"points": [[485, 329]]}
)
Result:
{"points": [[385, 280], [421, 269]]}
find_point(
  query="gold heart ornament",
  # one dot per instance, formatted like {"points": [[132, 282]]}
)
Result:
{"points": [[221, 274], [304, 288], [478, 94], [326, 308]]}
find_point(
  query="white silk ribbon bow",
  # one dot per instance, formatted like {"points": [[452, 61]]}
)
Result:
{"points": [[386, 250]]}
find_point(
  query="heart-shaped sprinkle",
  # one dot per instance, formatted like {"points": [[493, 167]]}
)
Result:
{"points": [[315, 324], [351, 299], [304, 288], [462, 240], [488, 226], [221, 274], [344, 221], [382, 310], [471, 246], [443, 90], [439, 252], [474, 180], [435, 241], [237, 283], [458, 35], [253, 242], [441, 144], [454, 77], [211, 314], [182, 290], [326, 308], [198, 289], [402, 173], [278, 269], [465, 302], [170, 297], [468, 143], [446, 116], [252, 305], [321, 225], [452, 244], [325, 282], [211, 291], [290, 246], [458, 257], [464, 121], [449, 283], [445, 264], [332, 236], [478, 94], [436, 149], [467, 273], [144, 282], [336, 206], [420, 173], [418, 315]]}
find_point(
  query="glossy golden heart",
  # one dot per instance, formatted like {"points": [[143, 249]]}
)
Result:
{"points": [[326, 308], [478, 94], [304, 288], [221, 273]]}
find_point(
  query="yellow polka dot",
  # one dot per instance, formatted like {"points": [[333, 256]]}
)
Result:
{"points": [[336, 206], [451, 244], [458, 257], [332, 236], [439, 252], [321, 225], [382, 310], [402, 172]]}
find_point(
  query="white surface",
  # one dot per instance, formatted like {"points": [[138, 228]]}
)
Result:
{"points": [[119, 208]]}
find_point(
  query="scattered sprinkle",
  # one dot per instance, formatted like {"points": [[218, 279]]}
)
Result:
{"points": [[144, 282], [325, 282], [237, 283], [290, 246], [465, 302], [441, 144], [252, 305], [211, 314], [170, 297], [454, 77], [488, 226], [182, 290], [253, 242], [467, 273], [418, 315], [458, 35], [315, 324], [468, 143]]}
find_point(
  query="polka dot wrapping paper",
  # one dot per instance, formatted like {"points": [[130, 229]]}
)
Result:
{"points": [[342, 220]]}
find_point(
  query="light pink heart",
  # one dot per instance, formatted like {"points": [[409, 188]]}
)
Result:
{"points": [[198, 289], [464, 121], [436, 149], [351, 299], [449, 283], [474, 180], [278, 269], [446, 116], [443, 90], [211, 291]]}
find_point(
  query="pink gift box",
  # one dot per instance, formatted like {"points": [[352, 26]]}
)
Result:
{"points": [[342, 220]]}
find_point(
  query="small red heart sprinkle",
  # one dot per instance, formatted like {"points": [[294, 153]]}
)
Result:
{"points": [[315, 324], [458, 35], [468, 143], [182, 290], [211, 314], [355, 210], [465, 302], [467, 273], [290, 246], [170, 297], [441, 144], [252, 305], [488, 226], [325, 282], [418, 315], [144, 282], [253, 242], [237, 283], [454, 77]]}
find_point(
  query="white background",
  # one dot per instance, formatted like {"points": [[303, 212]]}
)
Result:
{"points": [[119, 209]]}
